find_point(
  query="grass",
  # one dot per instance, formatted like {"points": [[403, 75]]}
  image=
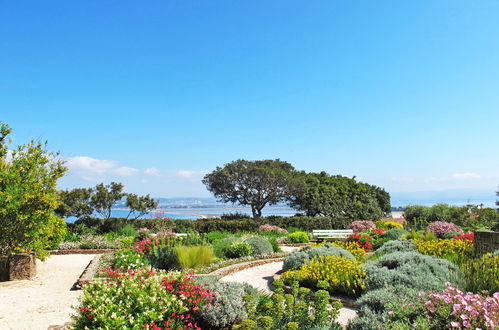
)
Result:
{"points": [[194, 256]]}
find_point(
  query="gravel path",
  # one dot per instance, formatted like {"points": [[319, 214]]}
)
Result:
{"points": [[47, 299], [261, 278]]}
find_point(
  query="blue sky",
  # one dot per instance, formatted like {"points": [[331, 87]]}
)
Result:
{"points": [[401, 94]]}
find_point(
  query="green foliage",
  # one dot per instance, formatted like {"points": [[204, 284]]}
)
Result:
{"points": [[162, 257], [482, 273], [129, 259], [129, 300], [234, 216], [75, 203], [275, 245], [193, 256], [471, 217], [334, 273], [228, 306], [255, 183], [139, 205], [89, 242], [340, 197], [238, 250], [301, 309], [296, 259], [395, 233], [259, 245], [413, 270], [378, 300], [28, 198], [105, 196], [298, 237], [396, 246], [303, 223]]}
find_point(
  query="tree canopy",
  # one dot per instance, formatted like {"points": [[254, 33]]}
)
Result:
{"points": [[139, 205], [254, 183], [340, 197], [28, 198], [105, 196], [75, 202]]}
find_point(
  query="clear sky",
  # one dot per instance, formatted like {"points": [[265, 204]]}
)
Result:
{"points": [[402, 94]]}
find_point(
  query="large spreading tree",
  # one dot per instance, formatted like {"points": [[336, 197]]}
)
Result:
{"points": [[75, 203], [140, 205], [254, 183], [340, 197], [28, 198]]}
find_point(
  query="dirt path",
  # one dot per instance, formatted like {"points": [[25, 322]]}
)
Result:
{"points": [[261, 278], [47, 299]]}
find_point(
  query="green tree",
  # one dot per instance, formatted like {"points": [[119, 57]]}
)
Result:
{"points": [[28, 198], [75, 203], [105, 196], [140, 205], [254, 183], [340, 197]]}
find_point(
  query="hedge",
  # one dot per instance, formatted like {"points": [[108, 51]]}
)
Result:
{"points": [[206, 225]]}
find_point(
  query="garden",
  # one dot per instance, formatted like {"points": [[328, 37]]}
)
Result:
{"points": [[399, 273]]}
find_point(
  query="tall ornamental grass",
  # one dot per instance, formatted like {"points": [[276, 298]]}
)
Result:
{"points": [[194, 256]]}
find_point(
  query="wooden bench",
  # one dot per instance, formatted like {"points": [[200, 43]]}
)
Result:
{"points": [[330, 234]]}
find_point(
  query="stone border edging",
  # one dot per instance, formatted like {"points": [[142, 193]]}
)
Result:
{"points": [[86, 251], [88, 273], [295, 244], [231, 269]]}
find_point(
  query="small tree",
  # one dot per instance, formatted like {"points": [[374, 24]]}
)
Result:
{"points": [[28, 198], [140, 205], [105, 196], [75, 203], [254, 183]]}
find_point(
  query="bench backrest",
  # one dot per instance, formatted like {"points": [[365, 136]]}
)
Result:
{"points": [[332, 233]]}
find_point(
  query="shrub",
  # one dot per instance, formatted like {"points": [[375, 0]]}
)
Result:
{"points": [[361, 226], [396, 246], [234, 216], [127, 230], [395, 233], [336, 274], [298, 237], [214, 236], [275, 244], [259, 245], [388, 224], [238, 250], [276, 229], [468, 236], [482, 274], [228, 306], [440, 228], [220, 247], [129, 259], [364, 240], [450, 308], [411, 269], [379, 300], [162, 257], [134, 299], [298, 258], [352, 247], [193, 256], [301, 309], [451, 248]]}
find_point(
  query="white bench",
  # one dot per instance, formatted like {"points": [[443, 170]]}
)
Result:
{"points": [[325, 234]]}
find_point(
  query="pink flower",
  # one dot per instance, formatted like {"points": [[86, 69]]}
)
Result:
{"points": [[466, 324], [464, 317], [455, 324]]}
